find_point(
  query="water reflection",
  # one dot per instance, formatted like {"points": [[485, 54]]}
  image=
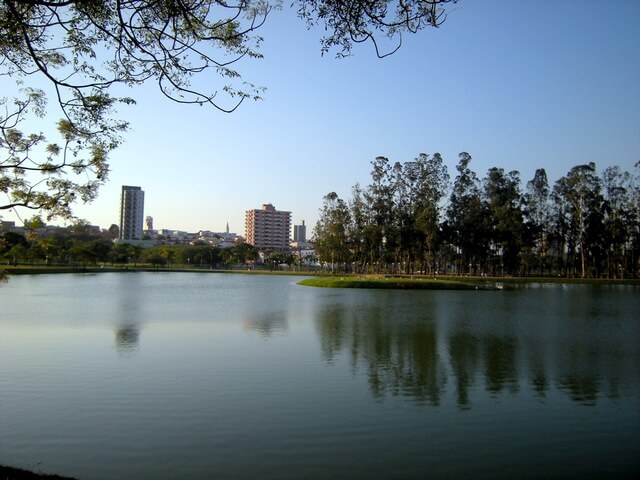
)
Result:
{"points": [[464, 352], [128, 314], [127, 339], [501, 368], [401, 357], [417, 346], [268, 324]]}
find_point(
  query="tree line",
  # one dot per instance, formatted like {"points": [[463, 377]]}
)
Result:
{"points": [[80, 249], [412, 219]]}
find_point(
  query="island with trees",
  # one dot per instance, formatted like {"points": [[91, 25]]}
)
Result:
{"points": [[411, 219]]}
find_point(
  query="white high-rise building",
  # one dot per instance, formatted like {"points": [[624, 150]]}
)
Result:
{"points": [[131, 213]]}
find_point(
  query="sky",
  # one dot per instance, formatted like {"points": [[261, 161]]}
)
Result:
{"points": [[518, 85]]}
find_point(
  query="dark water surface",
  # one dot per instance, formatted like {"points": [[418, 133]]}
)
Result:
{"points": [[211, 376]]}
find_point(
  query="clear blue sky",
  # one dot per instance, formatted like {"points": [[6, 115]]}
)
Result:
{"points": [[519, 85]]}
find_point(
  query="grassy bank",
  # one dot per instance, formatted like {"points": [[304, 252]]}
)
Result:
{"points": [[322, 279], [407, 283], [448, 283]]}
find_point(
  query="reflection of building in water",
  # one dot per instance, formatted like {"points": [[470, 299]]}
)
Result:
{"points": [[127, 339], [268, 324]]}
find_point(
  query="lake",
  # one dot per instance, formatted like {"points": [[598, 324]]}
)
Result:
{"points": [[218, 376]]}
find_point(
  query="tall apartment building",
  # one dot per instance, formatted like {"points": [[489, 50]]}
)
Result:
{"points": [[267, 228], [131, 213], [300, 233]]}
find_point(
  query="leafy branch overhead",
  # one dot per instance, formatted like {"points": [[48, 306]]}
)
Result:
{"points": [[83, 50], [352, 22]]}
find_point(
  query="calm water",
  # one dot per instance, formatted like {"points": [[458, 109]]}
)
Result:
{"points": [[164, 376]]}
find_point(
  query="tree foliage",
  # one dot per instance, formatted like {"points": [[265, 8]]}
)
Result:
{"points": [[84, 50], [333, 230], [403, 222], [76, 247], [352, 22]]}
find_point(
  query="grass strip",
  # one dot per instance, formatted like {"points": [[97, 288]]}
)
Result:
{"points": [[396, 283]]}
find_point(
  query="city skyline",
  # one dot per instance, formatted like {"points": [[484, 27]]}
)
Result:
{"points": [[508, 82]]}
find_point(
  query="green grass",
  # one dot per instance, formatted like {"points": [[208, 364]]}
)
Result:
{"points": [[448, 283], [322, 279], [395, 283]]}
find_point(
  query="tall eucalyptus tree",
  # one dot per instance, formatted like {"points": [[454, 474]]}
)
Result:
{"points": [[467, 221], [620, 220], [503, 196], [332, 232], [382, 215], [579, 201], [430, 188], [537, 217]]}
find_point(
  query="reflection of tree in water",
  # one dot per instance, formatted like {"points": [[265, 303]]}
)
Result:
{"points": [[400, 356], [537, 371], [539, 381], [332, 332], [500, 363], [464, 352], [127, 339], [582, 381], [468, 352], [396, 343], [581, 388], [595, 363]]}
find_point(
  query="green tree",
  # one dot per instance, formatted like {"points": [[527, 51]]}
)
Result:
{"points": [[361, 229], [13, 246], [620, 219], [379, 197], [280, 258], [113, 231], [18, 253], [153, 255], [579, 200], [10, 239], [51, 248], [467, 221], [123, 253], [332, 232], [430, 186], [99, 250], [502, 192], [537, 216], [239, 254], [635, 228]]}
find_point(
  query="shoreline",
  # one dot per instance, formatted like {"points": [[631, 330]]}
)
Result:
{"points": [[328, 280]]}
